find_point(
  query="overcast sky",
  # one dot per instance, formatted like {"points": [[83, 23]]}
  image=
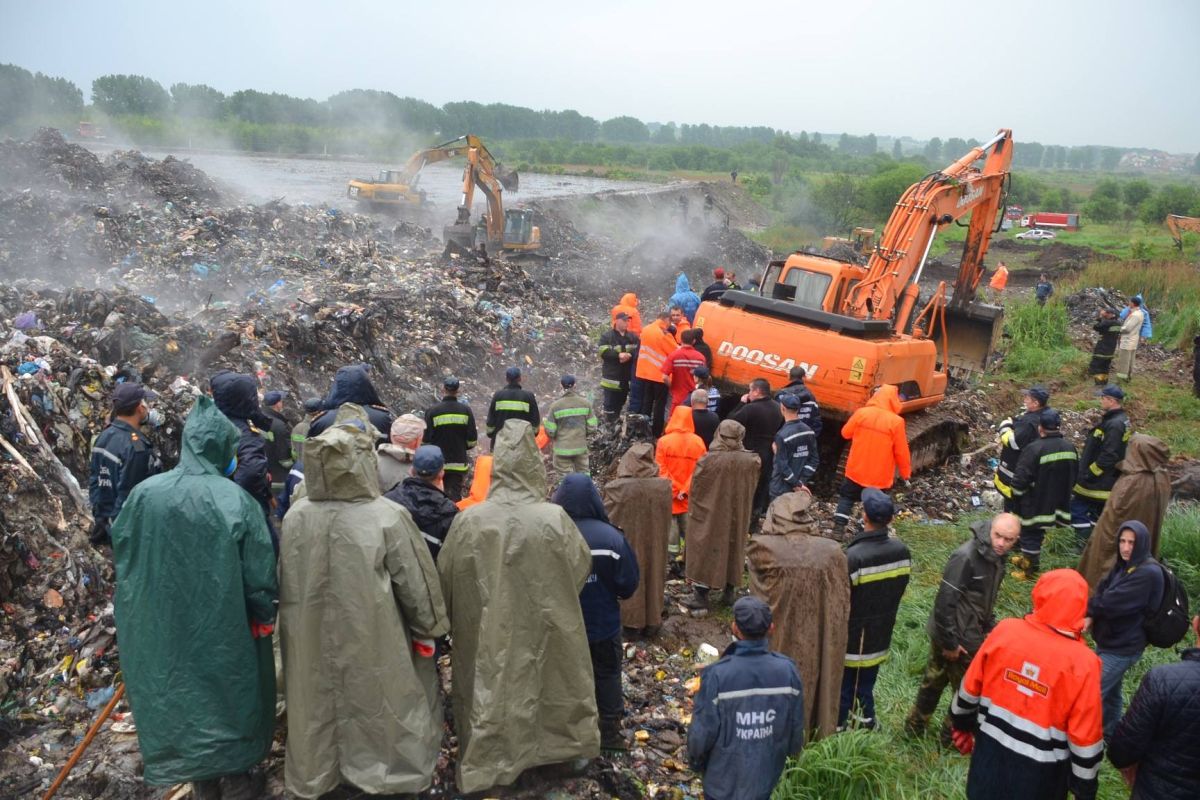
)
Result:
{"points": [[1061, 72]]}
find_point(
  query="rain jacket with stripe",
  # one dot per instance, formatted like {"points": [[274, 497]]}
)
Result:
{"points": [[511, 402], [451, 426], [1103, 450], [1016, 432], [569, 420], [656, 345], [1042, 481], [880, 566], [615, 374]]}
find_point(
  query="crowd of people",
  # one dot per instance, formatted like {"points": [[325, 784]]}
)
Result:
{"points": [[352, 545]]}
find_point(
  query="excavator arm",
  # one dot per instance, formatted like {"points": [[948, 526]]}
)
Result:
{"points": [[1177, 224]]}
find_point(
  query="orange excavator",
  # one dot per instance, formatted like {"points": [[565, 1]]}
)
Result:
{"points": [[855, 327], [511, 230], [399, 188], [1177, 225]]}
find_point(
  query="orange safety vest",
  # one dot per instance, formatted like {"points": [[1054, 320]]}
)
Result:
{"points": [[999, 278], [656, 345]]}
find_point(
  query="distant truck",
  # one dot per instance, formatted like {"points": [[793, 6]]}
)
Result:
{"points": [[1050, 219]]}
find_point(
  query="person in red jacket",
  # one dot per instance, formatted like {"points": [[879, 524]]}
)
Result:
{"points": [[1029, 708], [878, 450], [678, 450], [677, 369]]}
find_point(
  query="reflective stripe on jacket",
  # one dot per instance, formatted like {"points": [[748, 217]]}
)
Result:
{"points": [[879, 566], [569, 420]]}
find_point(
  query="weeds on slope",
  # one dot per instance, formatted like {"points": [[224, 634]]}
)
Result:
{"points": [[1171, 289], [1038, 343]]}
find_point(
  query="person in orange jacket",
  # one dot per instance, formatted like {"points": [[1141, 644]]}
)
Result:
{"points": [[679, 448], [1028, 710], [629, 304], [656, 345], [999, 281], [878, 449], [679, 322], [481, 481]]}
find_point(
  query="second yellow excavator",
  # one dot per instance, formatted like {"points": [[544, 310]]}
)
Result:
{"points": [[398, 189], [511, 231]]}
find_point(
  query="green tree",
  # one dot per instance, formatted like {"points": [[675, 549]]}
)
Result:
{"points": [[1170, 199], [624, 129], [197, 101], [880, 193], [838, 202], [130, 94], [666, 134], [955, 149], [933, 149], [897, 150], [1026, 190], [1102, 208], [1136, 191], [1108, 188]]}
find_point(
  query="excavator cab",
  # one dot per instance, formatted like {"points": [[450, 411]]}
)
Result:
{"points": [[811, 281], [519, 229]]}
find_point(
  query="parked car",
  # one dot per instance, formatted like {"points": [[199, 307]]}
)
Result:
{"points": [[1036, 233]]}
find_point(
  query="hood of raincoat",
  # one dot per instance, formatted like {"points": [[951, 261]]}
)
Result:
{"points": [[731, 435], [790, 513], [982, 531], [1060, 600], [1141, 543], [236, 395], [629, 299], [681, 421], [518, 474], [887, 397], [580, 498], [210, 440], [340, 464], [1145, 453], [638, 462], [681, 284], [351, 385]]}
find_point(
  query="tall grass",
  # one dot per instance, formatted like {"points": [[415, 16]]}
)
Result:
{"points": [[1171, 289], [1179, 546], [1037, 340]]}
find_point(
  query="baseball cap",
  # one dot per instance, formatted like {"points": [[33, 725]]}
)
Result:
{"points": [[620, 315], [791, 401], [1113, 390], [127, 396], [567, 380], [701, 372], [1039, 393], [272, 397], [753, 617], [428, 460], [451, 382], [718, 273], [1050, 419], [878, 506], [512, 374], [314, 404]]}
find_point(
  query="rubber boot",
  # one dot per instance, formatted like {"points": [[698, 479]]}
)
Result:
{"points": [[1025, 566], [611, 737], [243, 786], [698, 601], [206, 790], [728, 596]]}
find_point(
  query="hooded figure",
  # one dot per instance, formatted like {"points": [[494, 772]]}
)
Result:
{"points": [[1141, 492], [804, 579], [522, 669], [878, 450], [1032, 694], [719, 514], [679, 448], [359, 606], [194, 603], [639, 502], [685, 298], [629, 304], [236, 396], [351, 385]]}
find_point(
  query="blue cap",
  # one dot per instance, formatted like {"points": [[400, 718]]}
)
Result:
{"points": [[314, 404], [450, 382], [127, 396], [1113, 390], [272, 397], [1051, 420], [428, 460], [702, 372], [1039, 393], [567, 381], [753, 617], [878, 506], [512, 374], [791, 401]]}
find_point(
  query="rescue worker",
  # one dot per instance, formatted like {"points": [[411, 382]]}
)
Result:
{"points": [[1109, 329], [749, 712], [1131, 336], [1102, 451], [1015, 432], [879, 565], [878, 450], [656, 344], [678, 450], [629, 307], [511, 402], [1028, 709], [638, 501], [702, 347], [963, 614], [1044, 289], [236, 396], [569, 421], [618, 346], [614, 578], [422, 494], [715, 289], [998, 282], [810, 410], [279, 441], [121, 459], [703, 376], [679, 323], [481, 482], [313, 408], [352, 384], [1156, 742], [195, 604], [718, 515], [396, 455], [1042, 485], [354, 559], [685, 298], [704, 421], [796, 456], [521, 657], [451, 426], [677, 370], [760, 416], [803, 577], [1142, 492]]}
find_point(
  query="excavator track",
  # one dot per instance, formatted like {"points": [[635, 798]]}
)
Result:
{"points": [[933, 437]]}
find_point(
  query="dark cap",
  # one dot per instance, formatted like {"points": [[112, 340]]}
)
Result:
{"points": [[126, 396], [791, 401], [753, 617], [620, 315], [1113, 391], [512, 374], [314, 404], [450, 382], [1051, 420], [702, 372], [1039, 393], [878, 506], [428, 460], [272, 397], [567, 380]]}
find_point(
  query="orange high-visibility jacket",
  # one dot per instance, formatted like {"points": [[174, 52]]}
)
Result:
{"points": [[878, 442], [1033, 693], [629, 304], [480, 483], [656, 345], [999, 278], [678, 450]]}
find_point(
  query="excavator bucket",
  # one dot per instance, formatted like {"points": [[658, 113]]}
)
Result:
{"points": [[972, 334], [511, 181]]}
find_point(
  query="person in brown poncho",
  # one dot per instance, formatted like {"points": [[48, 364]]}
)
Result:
{"points": [[805, 580], [722, 499], [1141, 492], [638, 501]]}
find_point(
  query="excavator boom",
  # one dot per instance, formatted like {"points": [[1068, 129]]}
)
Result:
{"points": [[400, 187]]}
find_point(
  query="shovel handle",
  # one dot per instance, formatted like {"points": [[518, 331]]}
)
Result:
{"points": [[87, 740]]}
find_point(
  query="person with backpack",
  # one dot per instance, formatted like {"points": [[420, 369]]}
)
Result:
{"points": [[1117, 611]]}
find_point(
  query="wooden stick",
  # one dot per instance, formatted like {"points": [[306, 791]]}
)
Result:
{"points": [[87, 740], [64, 476]]}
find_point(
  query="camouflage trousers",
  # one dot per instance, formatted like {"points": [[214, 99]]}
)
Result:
{"points": [[939, 673]]}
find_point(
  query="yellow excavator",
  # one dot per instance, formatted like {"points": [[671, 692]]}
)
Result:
{"points": [[1177, 225], [398, 189], [861, 241], [500, 229]]}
